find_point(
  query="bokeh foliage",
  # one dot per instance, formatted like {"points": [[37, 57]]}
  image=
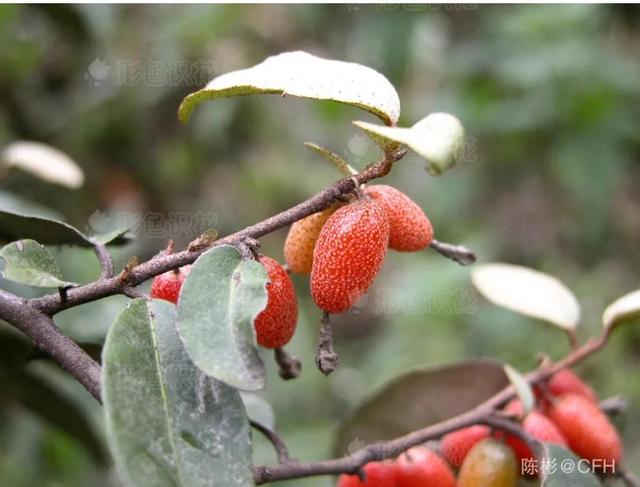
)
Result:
{"points": [[550, 100]]}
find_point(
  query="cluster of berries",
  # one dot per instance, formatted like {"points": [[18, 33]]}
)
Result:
{"points": [[343, 248], [568, 415]]}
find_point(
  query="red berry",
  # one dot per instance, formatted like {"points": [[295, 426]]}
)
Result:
{"points": [[456, 445], [537, 425], [566, 381], [348, 255], [377, 474], [587, 429], [276, 323], [422, 467], [167, 286], [409, 228]]}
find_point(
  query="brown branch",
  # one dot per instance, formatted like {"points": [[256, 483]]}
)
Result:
{"points": [[46, 335], [484, 413], [105, 260], [277, 442], [159, 264]]}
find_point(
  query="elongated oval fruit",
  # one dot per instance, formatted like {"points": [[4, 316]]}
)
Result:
{"points": [[409, 228], [490, 463], [587, 429], [348, 255], [456, 445], [536, 425], [276, 324], [377, 474], [566, 381], [167, 286], [302, 238], [420, 466]]}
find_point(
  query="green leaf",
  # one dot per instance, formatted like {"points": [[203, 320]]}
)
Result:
{"points": [[528, 292], [37, 396], [258, 409], [342, 165], [117, 235], [623, 310], [28, 262], [167, 423], [44, 162], [438, 138], [219, 302], [570, 475], [523, 389], [304, 75], [15, 226], [419, 399]]}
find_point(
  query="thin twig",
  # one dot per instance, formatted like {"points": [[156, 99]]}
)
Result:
{"points": [[629, 479], [106, 262], [326, 357], [457, 253], [290, 366], [277, 442]]}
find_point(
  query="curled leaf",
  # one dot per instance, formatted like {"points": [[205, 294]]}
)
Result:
{"points": [[304, 75], [523, 389], [439, 138], [45, 162], [342, 165], [528, 292], [28, 262], [623, 310]]}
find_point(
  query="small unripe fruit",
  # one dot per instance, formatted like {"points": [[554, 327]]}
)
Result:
{"points": [[456, 445], [490, 463], [377, 474], [167, 286], [301, 240], [566, 381], [422, 467], [409, 228], [587, 429], [276, 323], [348, 255], [536, 425]]}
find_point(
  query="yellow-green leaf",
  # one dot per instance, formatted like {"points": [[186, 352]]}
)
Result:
{"points": [[623, 310]]}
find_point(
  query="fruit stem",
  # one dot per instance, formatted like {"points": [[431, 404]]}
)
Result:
{"points": [[326, 357], [290, 366], [458, 253]]}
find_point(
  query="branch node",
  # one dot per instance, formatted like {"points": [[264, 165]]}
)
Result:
{"points": [[326, 357], [290, 366], [203, 241]]}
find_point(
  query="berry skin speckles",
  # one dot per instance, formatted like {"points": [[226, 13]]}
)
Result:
{"points": [[302, 238], [167, 286], [348, 255], [276, 324], [422, 467], [377, 474], [409, 228]]}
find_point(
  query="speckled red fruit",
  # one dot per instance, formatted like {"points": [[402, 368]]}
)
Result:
{"points": [[377, 474], [537, 425], [566, 381], [348, 255], [409, 228], [456, 445], [587, 429], [276, 323], [167, 286], [422, 467]]}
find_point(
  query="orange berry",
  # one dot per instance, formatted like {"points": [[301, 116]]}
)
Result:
{"points": [[420, 466], [348, 255], [276, 323], [409, 228], [566, 381], [587, 429], [301, 240], [456, 445], [489, 463], [167, 286], [377, 474], [537, 425]]}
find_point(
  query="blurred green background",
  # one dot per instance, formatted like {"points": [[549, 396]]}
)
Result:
{"points": [[549, 97]]}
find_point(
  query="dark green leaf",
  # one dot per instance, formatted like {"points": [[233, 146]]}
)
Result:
{"points": [[420, 398], [28, 262], [219, 301], [566, 472], [167, 423]]}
